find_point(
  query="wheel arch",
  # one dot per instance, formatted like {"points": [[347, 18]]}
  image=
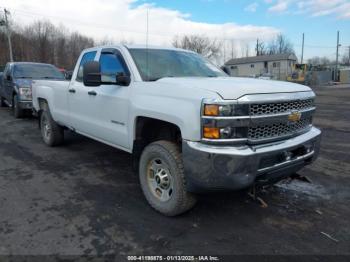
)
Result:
{"points": [[149, 129], [42, 104]]}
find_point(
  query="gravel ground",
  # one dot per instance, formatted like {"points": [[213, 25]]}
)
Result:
{"points": [[84, 199]]}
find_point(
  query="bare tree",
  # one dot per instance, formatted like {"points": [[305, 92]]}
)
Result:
{"points": [[280, 45], [126, 41], [346, 59], [76, 44], [261, 48], [106, 41], [60, 45], [200, 44], [43, 34], [325, 61], [245, 48], [316, 61], [44, 42], [111, 41]]}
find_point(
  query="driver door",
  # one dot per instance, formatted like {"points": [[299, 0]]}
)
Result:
{"points": [[105, 108]]}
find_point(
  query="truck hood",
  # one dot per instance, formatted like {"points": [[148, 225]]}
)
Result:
{"points": [[235, 87]]}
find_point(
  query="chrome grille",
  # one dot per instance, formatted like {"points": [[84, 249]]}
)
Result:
{"points": [[276, 108], [277, 129]]}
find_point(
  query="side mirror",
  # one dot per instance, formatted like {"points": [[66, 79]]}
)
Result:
{"points": [[122, 79], [9, 78], [92, 73]]}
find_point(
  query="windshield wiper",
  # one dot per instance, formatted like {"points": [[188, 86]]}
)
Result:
{"points": [[23, 77], [153, 79]]}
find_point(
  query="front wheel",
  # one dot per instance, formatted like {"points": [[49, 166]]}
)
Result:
{"points": [[17, 111], [52, 133], [162, 179]]}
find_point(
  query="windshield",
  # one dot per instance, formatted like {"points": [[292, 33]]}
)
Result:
{"points": [[37, 71], [154, 64]]}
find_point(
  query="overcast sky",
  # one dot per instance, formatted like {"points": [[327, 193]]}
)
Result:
{"points": [[238, 20]]}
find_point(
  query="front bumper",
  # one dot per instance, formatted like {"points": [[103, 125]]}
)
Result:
{"points": [[25, 105], [209, 167]]}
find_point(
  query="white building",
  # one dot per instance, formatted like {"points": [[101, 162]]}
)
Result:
{"points": [[279, 66], [344, 75]]}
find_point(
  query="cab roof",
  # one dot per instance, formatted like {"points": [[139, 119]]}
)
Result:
{"points": [[129, 46]]}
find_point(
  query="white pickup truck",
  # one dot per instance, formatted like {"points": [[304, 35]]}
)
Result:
{"points": [[189, 126]]}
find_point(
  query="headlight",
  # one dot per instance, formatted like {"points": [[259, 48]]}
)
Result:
{"points": [[225, 110], [25, 93], [225, 120]]}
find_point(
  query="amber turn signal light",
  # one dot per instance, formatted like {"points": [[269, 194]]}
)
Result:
{"points": [[211, 132], [211, 110]]}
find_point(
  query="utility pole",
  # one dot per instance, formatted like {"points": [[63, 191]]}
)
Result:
{"points": [[302, 50], [336, 59], [257, 47], [8, 33]]}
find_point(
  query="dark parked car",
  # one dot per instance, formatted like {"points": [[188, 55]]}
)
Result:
{"points": [[16, 84]]}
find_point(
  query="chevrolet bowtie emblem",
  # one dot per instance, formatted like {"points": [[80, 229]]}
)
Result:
{"points": [[295, 116]]}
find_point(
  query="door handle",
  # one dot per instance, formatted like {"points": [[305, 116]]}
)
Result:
{"points": [[92, 93], [71, 90]]}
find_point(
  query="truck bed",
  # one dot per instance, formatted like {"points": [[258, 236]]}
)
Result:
{"points": [[46, 86]]}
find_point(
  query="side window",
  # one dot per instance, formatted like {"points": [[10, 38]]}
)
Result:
{"points": [[87, 57], [111, 65]]}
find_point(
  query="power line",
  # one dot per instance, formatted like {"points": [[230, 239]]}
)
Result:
{"points": [[124, 29], [104, 26], [317, 46]]}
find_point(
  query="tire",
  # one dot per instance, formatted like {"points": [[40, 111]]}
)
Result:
{"points": [[17, 111], [51, 132], [162, 179]]}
